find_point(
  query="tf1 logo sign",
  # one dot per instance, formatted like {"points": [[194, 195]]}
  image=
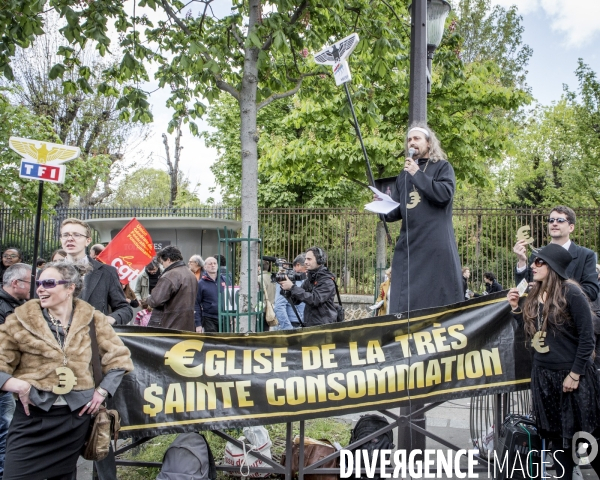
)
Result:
{"points": [[45, 172]]}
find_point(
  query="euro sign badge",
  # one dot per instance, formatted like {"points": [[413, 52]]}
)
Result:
{"points": [[181, 357], [66, 381], [524, 233], [415, 198], [538, 342]]}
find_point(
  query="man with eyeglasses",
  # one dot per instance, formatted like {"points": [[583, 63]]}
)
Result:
{"points": [[101, 289], [582, 269], [13, 293]]}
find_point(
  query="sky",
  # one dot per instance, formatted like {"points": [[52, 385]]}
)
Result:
{"points": [[558, 31]]}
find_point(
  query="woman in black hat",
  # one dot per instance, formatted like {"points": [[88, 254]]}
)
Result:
{"points": [[565, 389]]}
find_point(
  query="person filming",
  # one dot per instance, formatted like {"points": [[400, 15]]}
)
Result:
{"points": [[317, 292]]}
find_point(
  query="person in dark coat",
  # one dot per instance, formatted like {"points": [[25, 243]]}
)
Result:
{"points": [[595, 305], [582, 268], [13, 293], [206, 311], [102, 290], [565, 386], [426, 266], [317, 291], [101, 287], [491, 284], [174, 296]]}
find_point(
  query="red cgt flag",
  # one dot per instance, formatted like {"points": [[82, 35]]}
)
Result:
{"points": [[129, 252]]}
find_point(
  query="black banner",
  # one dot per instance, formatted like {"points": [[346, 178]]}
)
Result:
{"points": [[186, 381]]}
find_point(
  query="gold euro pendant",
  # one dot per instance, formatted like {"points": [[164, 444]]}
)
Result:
{"points": [[66, 381], [415, 198], [538, 341]]}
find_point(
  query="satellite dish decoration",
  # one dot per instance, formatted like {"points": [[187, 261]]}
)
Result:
{"points": [[336, 55]]}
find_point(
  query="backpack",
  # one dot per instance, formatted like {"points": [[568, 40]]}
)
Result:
{"points": [[188, 458], [366, 425]]}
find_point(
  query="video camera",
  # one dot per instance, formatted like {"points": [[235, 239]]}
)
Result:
{"points": [[286, 269]]}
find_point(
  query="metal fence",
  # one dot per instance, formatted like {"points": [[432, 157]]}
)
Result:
{"points": [[485, 237]]}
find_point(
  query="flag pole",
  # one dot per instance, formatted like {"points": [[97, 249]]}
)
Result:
{"points": [[36, 239], [364, 150]]}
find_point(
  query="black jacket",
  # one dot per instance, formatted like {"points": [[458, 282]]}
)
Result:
{"points": [[570, 344], [318, 293], [207, 297], [8, 303], [582, 269], [102, 290], [493, 287]]}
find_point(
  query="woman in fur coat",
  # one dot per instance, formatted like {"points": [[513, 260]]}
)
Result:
{"points": [[45, 360]]}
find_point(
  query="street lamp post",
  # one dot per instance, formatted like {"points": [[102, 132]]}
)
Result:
{"points": [[427, 28]]}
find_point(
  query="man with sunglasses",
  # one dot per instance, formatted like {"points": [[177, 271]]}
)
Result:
{"points": [[13, 293], [582, 269]]}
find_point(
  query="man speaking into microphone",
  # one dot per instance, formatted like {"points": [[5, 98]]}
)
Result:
{"points": [[426, 266]]}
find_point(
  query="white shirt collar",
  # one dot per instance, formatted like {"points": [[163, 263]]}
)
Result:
{"points": [[567, 245]]}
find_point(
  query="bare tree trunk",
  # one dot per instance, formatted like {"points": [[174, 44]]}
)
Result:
{"points": [[249, 142], [173, 167]]}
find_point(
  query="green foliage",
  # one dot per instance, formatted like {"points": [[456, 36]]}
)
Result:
{"points": [[150, 187], [17, 120], [80, 117], [494, 33], [308, 150], [558, 151]]}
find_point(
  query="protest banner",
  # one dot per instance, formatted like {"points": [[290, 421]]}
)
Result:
{"points": [[186, 381], [129, 252]]}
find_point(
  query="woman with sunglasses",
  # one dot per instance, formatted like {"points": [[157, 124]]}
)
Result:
{"points": [[45, 357], [565, 388], [10, 256]]}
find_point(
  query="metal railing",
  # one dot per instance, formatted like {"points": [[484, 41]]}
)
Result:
{"points": [[485, 237]]}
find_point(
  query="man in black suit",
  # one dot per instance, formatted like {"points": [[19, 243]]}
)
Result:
{"points": [[582, 268], [101, 289]]}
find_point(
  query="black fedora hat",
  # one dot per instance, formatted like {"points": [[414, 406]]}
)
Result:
{"points": [[556, 257]]}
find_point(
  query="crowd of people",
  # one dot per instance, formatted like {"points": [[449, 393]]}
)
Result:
{"points": [[560, 316]]}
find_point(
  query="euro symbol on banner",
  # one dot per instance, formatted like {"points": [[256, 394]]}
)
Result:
{"points": [[537, 342], [182, 355], [66, 381]]}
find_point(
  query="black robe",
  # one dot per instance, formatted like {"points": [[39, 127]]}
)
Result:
{"points": [[434, 276]]}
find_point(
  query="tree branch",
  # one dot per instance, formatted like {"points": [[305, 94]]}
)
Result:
{"points": [[226, 87], [289, 93], [293, 19], [239, 41], [173, 16], [221, 84]]}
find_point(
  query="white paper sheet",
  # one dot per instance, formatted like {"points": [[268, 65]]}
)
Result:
{"points": [[385, 205]]}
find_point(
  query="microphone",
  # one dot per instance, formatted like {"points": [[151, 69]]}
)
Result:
{"points": [[411, 152], [269, 259]]}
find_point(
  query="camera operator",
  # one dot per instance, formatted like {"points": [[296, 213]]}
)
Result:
{"points": [[317, 291], [283, 310]]}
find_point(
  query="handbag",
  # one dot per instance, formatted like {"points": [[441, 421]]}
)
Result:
{"points": [[341, 313], [314, 450], [106, 423]]}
